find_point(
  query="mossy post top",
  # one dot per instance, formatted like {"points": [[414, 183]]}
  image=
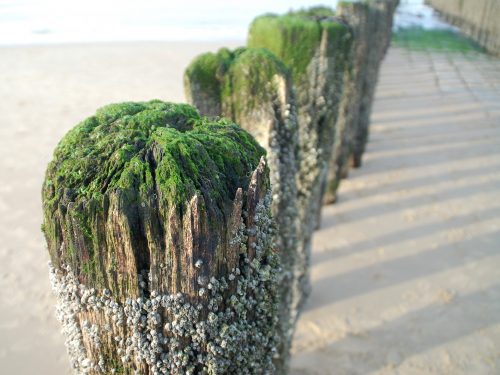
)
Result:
{"points": [[213, 79], [113, 149], [296, 36], [144, 187], [202, 77], [247, 83], [258, 63]]}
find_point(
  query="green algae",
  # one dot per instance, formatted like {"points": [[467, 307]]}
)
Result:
{"points": [[143, 159], [237, 82], [419, 39], [113, 150], [340, 42], [247, 80], [295, 37], [206, 70]]}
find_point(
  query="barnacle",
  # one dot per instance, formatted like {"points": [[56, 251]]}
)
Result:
{"points": [[239, 339]]}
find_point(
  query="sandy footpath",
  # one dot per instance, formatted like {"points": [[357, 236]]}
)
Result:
{"points": [[406, 267]]}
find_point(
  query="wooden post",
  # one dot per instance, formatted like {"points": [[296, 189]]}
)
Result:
{"points": [[390, 9], [379, 24], [315, 47], [159, 230], [255, 91], [356, 14]]}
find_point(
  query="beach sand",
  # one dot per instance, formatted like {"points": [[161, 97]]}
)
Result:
{"points": [[45, 91], [405, 267]]}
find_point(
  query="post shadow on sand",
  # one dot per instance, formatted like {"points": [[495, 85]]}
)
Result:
{"points": [[436, 160], [384, 208], [425, 95], [422, 181], [422, 264], [400, 236], [390, 96], [419, 139], [437, 149], [390, 93], [429, 121], [473, 135], [419, 330], [439, 90]]}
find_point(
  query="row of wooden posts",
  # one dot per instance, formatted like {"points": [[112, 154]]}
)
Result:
{"points": [[180, 241], [478, 19]]}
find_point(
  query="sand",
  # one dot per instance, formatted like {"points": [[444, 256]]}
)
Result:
{"points": [[405, 267], [44, 92]]}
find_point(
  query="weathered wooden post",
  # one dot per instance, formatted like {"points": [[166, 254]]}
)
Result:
{"points": [[379, 24], [254, 90], [390, 9], [159, 230], [315, 47], [356, 15], [204, 81]]}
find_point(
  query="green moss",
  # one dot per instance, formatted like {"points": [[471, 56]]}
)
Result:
{"points": [[295, 37], [115, 365], [142, 159], [89, 267], [139, 148], [205, 69], [83, 222], [241, 78], [340, 40], [208, 68], [416, 38], [353, 3], [247, 80]]}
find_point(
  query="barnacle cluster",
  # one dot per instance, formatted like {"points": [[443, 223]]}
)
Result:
{"points": [[169, 333]]}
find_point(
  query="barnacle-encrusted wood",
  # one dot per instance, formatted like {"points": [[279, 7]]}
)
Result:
{"points": [[315, 46], [379, 30], [371, 22], [255, 90], [389, 7], [356, 14], [159, 230]]}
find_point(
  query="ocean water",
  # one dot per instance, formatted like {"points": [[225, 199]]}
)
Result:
{"points": [[70, 21], [414, 13]]}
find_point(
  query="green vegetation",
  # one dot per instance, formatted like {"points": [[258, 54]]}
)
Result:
{"points": [[139, 155], [133, 146], [247, 79], [238, 80], [416, 38], [207, 70], [295, 37]]}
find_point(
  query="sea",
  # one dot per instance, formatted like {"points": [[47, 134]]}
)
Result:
{"points": [[27, 22]]}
